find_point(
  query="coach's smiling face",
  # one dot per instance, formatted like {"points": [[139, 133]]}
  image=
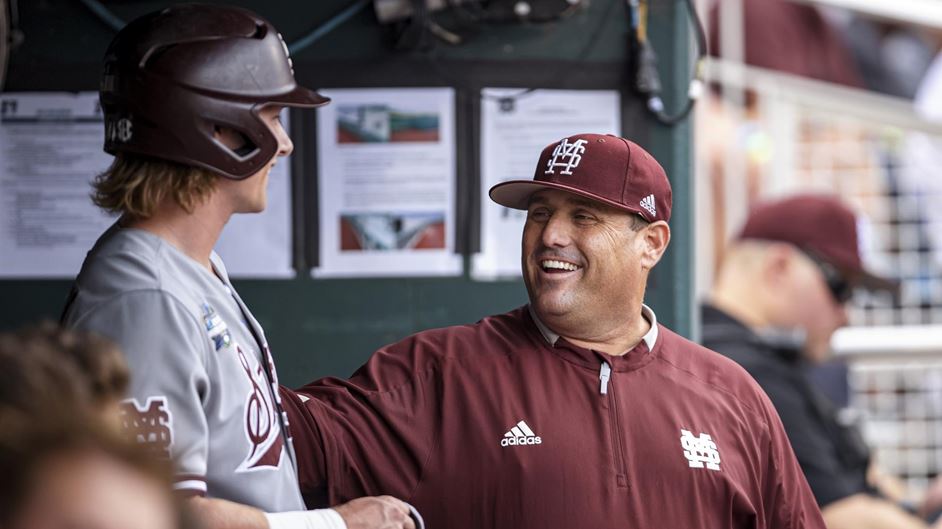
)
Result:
{"points": [[585, 264]]}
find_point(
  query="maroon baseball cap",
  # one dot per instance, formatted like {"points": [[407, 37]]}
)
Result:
{"points": [[605, 168], [818, 224]]}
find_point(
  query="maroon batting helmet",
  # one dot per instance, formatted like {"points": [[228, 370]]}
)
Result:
{"points": [[173, 77]]}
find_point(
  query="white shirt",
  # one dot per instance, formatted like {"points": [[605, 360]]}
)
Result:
{"points": [[650, 338]]}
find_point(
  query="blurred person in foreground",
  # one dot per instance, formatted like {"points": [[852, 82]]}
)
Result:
{"points": [[45, 366], [62, 460], [779, 296], [72, 471]]}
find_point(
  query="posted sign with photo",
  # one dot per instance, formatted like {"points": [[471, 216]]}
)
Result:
{"points": [[386, 177]]}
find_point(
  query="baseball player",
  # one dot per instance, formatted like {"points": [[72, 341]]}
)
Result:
{"points": [[577, 410], [192, 97]]}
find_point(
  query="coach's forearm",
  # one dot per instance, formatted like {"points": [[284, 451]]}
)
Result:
{"points": [[212, 513]]}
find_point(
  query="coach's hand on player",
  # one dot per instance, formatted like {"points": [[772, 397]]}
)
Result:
{"points": [[379, 512]]}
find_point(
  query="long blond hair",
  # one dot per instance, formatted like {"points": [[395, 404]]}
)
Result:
{"points": [[135, 185]]}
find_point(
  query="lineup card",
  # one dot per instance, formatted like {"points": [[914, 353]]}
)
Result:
{"points": [[50, 149]]}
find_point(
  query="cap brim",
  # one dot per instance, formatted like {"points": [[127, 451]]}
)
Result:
{"points": [[515, 194], [300, 97]]}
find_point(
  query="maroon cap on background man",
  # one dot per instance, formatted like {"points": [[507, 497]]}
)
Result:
{"points": [[604, 168], [816, 223]]}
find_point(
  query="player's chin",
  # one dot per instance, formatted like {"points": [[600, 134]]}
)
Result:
{"points": [[255, 207]]}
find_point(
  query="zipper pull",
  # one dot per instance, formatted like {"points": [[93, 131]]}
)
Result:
{"points": [[604, 374]]}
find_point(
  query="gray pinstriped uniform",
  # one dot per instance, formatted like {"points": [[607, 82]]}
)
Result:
{"points": [[200, 392]]}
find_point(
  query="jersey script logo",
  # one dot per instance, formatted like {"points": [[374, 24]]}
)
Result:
{"points": [[261, 421], [151, 425], [700, 451], [567, 156]]}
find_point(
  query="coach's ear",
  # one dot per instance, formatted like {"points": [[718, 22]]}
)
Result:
{"points": [[654, 238]]}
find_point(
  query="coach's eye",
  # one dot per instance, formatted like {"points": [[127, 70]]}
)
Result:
{"points": [[582, 217], [539, 214]]}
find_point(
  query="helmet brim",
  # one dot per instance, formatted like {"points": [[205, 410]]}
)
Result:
{"points": [[300, 97]]}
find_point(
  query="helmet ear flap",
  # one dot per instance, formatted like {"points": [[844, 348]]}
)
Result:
{"points": [[195, 137], [252, 145]]}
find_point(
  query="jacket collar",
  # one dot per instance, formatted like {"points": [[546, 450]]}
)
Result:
{"points": [[632, 359]]}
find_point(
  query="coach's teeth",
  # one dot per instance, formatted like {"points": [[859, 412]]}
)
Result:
{"points": [[559, 265]]}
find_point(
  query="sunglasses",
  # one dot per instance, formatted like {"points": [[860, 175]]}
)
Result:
{"points": [[841, 289]]}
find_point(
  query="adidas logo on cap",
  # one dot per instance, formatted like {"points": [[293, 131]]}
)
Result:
{"points": [[648, 204], [521, 434]]}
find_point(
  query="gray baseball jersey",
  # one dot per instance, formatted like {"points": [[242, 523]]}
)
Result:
{"points": [[203, 384]]}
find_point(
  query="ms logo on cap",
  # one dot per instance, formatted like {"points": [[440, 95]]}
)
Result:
{"points": [[566, 155]]}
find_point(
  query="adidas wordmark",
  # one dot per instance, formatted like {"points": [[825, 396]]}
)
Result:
{"points": [[521, 434]]}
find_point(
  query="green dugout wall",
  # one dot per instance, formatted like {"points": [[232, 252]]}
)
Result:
{"points": [[329, 327]]}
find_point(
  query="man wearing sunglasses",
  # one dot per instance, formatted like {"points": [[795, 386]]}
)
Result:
{"points": [[778, 297]]}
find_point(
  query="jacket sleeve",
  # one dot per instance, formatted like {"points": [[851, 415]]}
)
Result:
{"points": [[788, 500], [369, 435]]}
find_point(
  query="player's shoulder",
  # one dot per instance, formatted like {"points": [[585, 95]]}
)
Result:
{"points": [[715, 374], [131, 264], [127, 259]]}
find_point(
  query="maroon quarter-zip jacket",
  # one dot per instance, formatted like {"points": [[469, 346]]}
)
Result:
{"points": [[490, 426]]}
